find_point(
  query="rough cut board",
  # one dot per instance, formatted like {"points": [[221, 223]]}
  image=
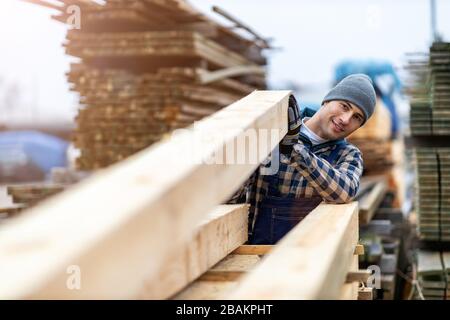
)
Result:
{"points": [[370, 202], [225, 230], [122, 223], [311, 262]]}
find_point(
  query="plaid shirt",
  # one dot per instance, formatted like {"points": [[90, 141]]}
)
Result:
{"points": [[305, 173]]}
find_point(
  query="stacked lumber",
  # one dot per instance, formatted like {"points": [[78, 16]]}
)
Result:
{"points": [[432, 185], [430, 91], [149, 67], [243, 273], [122, 224], [433, 274]]}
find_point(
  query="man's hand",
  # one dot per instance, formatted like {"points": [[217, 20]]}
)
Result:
{"points": [[294, 121]]}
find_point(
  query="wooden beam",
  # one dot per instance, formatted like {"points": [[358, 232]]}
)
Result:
{"points": [[358, 276], [213, 76], [369, 203], [259, 249], [225, 229], [311, 262], [119, 225]]}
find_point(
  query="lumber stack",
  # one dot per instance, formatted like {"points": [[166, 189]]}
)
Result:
{"points": [[433, 275], [429, 93], [149, 67], [432, 185], [122, 224]]}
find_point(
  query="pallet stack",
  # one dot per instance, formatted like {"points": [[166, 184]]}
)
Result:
{"points": [[148, 67]]}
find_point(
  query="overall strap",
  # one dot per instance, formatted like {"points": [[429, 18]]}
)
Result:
{"points": [[340, 144]]}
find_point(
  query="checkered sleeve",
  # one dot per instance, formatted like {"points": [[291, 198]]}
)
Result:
{"points": [[337, 183]]}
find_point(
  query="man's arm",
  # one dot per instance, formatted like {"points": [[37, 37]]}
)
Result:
{"points": [[336, 184]]}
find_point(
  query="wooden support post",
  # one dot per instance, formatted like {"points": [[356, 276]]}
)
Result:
{"points": [[311, 262], [105, 236]]}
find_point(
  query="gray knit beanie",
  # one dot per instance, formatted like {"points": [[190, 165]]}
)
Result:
{"points": [[357, 89]]}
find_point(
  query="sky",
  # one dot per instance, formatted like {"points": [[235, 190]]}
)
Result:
{"points": [[312, 37]]}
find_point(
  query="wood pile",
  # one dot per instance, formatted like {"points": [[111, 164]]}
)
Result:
{"points": [[149, 67]]}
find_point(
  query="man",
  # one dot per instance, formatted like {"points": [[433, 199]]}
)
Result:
{"points": [[316, 162]]}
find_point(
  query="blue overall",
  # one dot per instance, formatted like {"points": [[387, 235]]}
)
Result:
{"points": [[278, 215]]}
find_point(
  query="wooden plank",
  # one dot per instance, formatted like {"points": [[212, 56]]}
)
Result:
{"points": [[213, 76], [311, 262], [225, 229], [259, 249], [121, 224], [358, 276], [231, 268], [370, 202]]}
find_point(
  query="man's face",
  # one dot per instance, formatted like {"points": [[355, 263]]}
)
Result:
{"points": [[340, 118]]}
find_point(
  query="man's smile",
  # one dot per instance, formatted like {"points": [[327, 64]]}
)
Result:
{"points": [[337, 127]]}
